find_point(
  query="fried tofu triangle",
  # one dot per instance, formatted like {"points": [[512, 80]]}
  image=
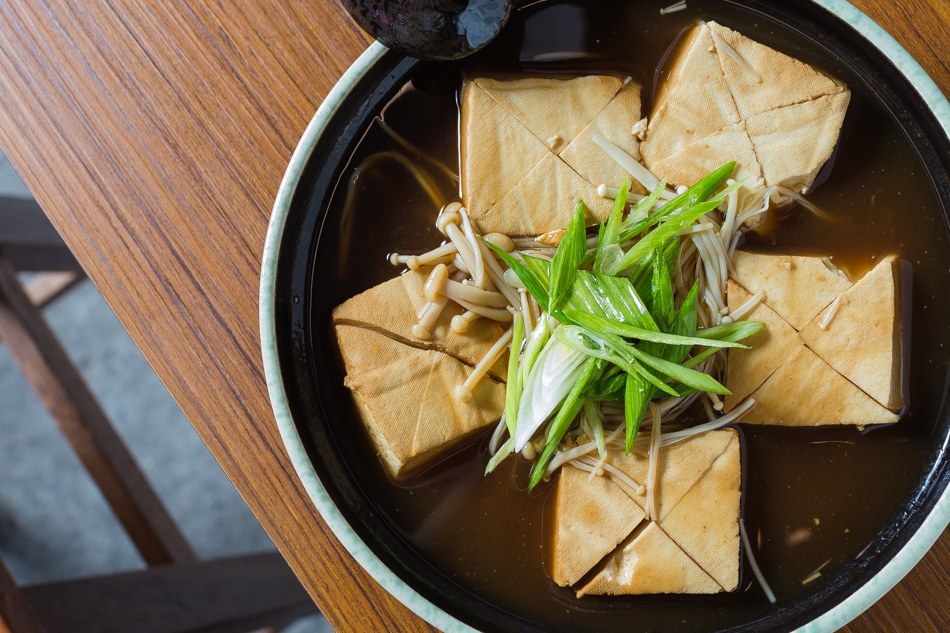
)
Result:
{"points": [[731, 98], [830, 352], [527, 153], [604, 544], [392, 308], [861, 339], [404, 388]]}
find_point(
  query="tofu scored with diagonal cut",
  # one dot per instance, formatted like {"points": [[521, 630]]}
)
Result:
{"points": [[527, 154], [403, 389], [830, 351], [862, 340], [605, 545], [795, 286], [767, 351], [392, 308], [728, 97]]}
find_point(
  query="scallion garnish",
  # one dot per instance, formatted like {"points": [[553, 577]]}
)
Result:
{"points": [[611, 329]]}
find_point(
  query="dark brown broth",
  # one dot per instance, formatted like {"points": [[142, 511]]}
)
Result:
{"points": [[813, 498]]}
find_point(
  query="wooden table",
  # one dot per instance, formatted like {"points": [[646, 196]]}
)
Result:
{"points": [[154, 133]]}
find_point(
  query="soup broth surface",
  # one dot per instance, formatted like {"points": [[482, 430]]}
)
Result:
{"points": [[814, 499]]}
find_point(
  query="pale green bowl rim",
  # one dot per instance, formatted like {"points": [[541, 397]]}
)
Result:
{"points": [[915, 548]]}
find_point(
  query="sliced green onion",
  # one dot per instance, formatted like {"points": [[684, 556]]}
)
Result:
{"points": [[570, 252], [553, 376], [658, 237], [569, 408], [607, 244], [503, 451], [637, 396], [513, 388], [643, 208], [689, 377], [685, 324], [609, 297], [599, 323], [698, 192], [728, 332], [610, 348], [596, 424], [536, 341], [661, 293], [731, 331], [537, 287]]}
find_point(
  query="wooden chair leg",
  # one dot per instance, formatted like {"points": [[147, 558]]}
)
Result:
{"points": [[231, 595], [47, 287], [82, 421], [16, 615]]}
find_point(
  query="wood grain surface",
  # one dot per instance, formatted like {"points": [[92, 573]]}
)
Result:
{"points": [[154, 133]]}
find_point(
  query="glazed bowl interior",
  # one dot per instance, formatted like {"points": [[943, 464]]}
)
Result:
{"points": [[308, 280]]}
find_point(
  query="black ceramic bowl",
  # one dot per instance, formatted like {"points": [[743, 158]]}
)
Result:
{"points": [[301, 282]]}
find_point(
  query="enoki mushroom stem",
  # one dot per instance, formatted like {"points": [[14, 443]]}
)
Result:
{"points": [[461, 322], [448, 224], [423, 329], [439, 284], [430, 312], [444, 253], [463, 392]]}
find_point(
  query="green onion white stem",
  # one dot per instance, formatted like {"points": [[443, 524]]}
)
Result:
{"points": [[654, 464], [553, 376], [497, 434], [605, 191]]}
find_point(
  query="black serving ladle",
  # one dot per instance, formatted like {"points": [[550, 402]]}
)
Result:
{"points": [[431, 29]]}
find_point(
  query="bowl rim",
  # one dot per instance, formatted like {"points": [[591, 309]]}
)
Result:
{"points": [[873, 589]]}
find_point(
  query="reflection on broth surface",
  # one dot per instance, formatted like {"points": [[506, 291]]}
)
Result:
{"points": [[813, 499]]}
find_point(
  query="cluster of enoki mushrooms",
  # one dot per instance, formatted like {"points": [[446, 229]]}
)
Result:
{"points": [[466, 270]]}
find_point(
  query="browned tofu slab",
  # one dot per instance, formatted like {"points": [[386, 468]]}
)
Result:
{"points": [[784, 81], [589, 160], [807, 391], [780, 122], [592, 516], [793, 142], [527, 153], [806, 375], [404, 388], [749, 368], [861, 341], [651, 563], [795, 286], [704, 523], [679, 120], [692, 546], [681, 466], [392, 307], [695, 161], [405, 397]]}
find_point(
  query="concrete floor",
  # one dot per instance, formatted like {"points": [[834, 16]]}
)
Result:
{"points": [[54, 523]]}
